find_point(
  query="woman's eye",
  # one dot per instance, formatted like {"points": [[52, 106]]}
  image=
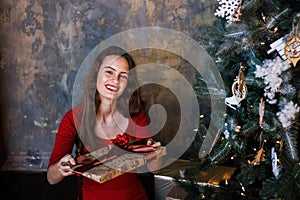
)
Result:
{"points": [[124, 77], [109, 72]]}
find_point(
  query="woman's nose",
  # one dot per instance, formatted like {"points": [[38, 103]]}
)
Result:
{"points": [[115, 78]]}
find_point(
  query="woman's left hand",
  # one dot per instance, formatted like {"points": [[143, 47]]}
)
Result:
{"points": [[156, 164], [152, 143]]}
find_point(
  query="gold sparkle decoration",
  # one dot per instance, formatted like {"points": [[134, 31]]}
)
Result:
{"points": [[292, 47], [260, 156]]}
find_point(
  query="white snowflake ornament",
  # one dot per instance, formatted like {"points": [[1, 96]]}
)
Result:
{"points": [[288, 114], [271, 72], [231, 10]]}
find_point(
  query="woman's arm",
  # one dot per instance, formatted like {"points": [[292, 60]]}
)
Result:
{"points": [[61, 160]]}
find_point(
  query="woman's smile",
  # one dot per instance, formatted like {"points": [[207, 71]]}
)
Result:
{"points": [[111, 87]]}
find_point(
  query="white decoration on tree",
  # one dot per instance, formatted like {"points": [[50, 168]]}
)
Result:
{"points": [[226, 134], [275, 163], [230, 10], [278, 46], [270, 72], [287, 88], [288, 114]]}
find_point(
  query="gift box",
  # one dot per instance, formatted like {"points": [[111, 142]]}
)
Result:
{"points": [[115, 164]]}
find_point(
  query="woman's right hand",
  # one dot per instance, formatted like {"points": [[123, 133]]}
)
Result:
{"points": [[65, 164], [61, 169]]}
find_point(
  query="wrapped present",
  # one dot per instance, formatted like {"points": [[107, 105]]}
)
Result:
{"points": [[115, 164]]}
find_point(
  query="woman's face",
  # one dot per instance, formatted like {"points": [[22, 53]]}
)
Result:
{"points": [[112, 77]]}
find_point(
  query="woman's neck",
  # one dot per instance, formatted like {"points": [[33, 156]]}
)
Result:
{"points": [[109, 121], [106, 110]]}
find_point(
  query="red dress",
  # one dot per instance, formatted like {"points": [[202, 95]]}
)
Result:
{"points": [[124, 187]]}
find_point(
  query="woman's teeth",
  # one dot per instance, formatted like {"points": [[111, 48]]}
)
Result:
{"points": [[111, 88]]}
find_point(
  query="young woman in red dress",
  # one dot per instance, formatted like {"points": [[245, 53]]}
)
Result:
{"points": [[98, 120]]}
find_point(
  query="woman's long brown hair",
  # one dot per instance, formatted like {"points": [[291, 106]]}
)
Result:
{"points": [[129, 102]]}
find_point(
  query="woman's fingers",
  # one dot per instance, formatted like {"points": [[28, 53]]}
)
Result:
{"points": [[151, 142], [65, 170], [156, 144], [65, 164]]}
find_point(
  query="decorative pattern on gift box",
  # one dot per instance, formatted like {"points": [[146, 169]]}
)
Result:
{"points": [[98, 153], [105, 171], [118, 166]]}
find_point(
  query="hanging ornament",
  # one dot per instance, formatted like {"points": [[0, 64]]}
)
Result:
{"points": [[262, 105], [260, 156], [231, 10], [239, 91], [275, 163], [292, 47]]}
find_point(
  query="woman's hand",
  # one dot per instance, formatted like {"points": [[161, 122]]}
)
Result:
{"points": [[61, 169], [152, 143], [65, 164], [156, 164]]}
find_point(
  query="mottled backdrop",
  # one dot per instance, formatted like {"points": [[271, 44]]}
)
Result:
{"points": [[44, 42]]}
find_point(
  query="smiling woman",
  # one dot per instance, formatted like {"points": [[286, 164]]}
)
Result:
{"points": [[112, 77], [111, 106]]}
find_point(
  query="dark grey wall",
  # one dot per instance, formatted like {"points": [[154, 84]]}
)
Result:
{"points": [[43, 44]]}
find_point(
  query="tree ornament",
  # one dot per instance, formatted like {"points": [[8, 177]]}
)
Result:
{"points": [[262, 105], [275, 163], [230, 9], [271, 72], [292, 47], [260, 156], [288, 114], [239, 91]]}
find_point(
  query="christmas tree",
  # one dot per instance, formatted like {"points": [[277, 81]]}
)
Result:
{"points": [[256, 47]]}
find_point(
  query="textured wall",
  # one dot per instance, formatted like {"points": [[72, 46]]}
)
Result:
{"points": [[44, 42]]}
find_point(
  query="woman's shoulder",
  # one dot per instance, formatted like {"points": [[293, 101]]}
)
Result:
{"points": [[74, 113], [74, 110]]}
